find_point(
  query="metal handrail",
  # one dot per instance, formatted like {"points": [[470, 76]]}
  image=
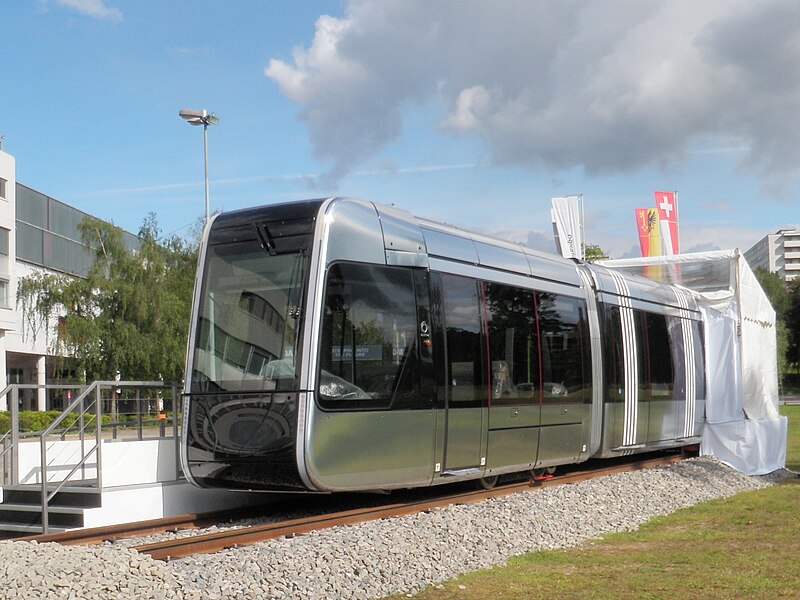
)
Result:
{"points": [[78, 402], [88, 415]]}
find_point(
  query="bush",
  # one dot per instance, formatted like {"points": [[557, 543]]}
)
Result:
{"points": [[34, 420]]}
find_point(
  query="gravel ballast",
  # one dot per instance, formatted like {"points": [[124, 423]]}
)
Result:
{"points": [[378, 558]]}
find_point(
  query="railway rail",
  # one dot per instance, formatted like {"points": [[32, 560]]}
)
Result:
{"points": [[242, 536]]}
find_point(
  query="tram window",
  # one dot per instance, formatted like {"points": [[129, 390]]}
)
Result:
{"points": [[699, 360], [513, 344], [368, 351], [464, 353], [614, 352], [659, 356], [675, 329], [642, 355], [679, 351], [564, 332]]}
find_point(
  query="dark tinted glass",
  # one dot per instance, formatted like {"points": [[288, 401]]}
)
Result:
{"points": [[566, 360], [659, 356], [31, 207], [614, 362], [249, 319], [513, 344], [368, 352], [463, 330], [699, 360]]}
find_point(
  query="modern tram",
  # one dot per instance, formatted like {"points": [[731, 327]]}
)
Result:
{"points": [[342, 345]]}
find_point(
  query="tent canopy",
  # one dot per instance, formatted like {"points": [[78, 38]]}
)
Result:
{"points": [[743, 425]]}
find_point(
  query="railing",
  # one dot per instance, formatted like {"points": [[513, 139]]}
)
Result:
{"points": [[128, 414]]}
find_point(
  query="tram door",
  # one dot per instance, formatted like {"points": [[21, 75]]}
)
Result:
{"points": [[465, 391]]}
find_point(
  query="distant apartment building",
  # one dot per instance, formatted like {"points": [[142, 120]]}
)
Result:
{"points": [[37, 233], [778, 252]]}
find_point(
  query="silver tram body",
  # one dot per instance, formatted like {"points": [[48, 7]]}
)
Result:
{"points": [[342, 345]]}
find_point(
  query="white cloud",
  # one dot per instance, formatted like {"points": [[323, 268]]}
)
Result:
{"points": [[96, 9], [608, 86]]}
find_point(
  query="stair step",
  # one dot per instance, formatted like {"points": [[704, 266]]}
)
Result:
{"points": [[70, 495], [37, 508], [83, 486], [27, 514], [15, 530]]}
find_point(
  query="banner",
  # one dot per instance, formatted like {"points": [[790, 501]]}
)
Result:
{"points": [[667, 205], [649, 232], [567, 215]]}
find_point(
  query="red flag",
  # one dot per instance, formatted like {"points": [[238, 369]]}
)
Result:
{"points": [[667, 205]]}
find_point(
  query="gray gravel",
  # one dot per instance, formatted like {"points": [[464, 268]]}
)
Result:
{"points": [[379, 558]]}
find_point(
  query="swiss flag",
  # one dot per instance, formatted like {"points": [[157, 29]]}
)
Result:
{"points": [[667, 206]]}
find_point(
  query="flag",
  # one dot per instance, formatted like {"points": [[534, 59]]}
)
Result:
{"points": [[649, 234], [667, 205], [567, 215]]}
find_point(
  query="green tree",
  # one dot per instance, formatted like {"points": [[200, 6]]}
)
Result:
{"points": [[775, 289], [594, 252], [792, 322], [778, 295], [129, 315]]}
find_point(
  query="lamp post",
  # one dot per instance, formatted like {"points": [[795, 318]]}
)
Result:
{"points": [[201, 117]]}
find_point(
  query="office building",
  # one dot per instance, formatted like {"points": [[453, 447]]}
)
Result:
{"points": [[37, 233], [778, 252]]}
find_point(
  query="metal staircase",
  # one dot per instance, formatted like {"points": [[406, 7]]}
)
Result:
{"points": [[51, 477], [21, 509]]}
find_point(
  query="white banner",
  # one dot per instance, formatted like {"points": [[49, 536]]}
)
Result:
{"points": [[567, 215]]}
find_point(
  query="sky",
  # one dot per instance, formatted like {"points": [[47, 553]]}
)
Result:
{"points": [[468, 112]]}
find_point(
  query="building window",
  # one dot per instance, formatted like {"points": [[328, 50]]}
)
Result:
{"points": [[2, 188], [5, 301], [4, 241]]}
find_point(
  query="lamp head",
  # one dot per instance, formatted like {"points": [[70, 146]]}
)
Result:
{"points": [[198, 117]]}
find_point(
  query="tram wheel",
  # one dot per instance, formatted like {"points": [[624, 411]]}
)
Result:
{"points": [[544, 473], [487, 483]]}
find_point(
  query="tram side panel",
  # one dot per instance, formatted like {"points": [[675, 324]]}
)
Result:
{"points": [[502, 355], [373, 422], [654, 369]]}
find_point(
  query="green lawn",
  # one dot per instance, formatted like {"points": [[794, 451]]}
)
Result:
{"points": [[741, 547]]}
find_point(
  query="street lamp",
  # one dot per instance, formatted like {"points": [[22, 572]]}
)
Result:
{"points": [[201, 117]]}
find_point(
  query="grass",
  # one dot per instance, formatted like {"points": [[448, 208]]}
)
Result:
{"points": [[746, 546]]}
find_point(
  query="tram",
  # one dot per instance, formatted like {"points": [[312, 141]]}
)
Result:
{"points": [[342, 345]]}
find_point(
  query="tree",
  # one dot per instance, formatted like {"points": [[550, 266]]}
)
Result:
{"points": [[792, 322], [775, 289], [594, 252], [778, 295], [129, 315]]}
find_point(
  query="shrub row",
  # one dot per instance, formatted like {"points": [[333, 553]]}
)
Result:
{"points": [[36, 420]]}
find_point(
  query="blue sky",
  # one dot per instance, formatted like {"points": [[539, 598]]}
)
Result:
{"points": [[473, 113]]}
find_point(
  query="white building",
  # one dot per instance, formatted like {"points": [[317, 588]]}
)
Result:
{"points": [[37, 232], [778, 253]]}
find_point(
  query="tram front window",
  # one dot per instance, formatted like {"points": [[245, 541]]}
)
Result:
{"points": [[249, 317]]}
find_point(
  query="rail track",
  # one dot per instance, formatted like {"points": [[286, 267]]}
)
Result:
{"points": [[242, 536]]}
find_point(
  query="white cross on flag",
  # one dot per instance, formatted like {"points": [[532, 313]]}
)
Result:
{"points": [[667, 205]]}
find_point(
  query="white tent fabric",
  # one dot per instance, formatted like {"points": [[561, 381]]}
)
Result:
{"points": [[743, 425], [723, 385]]}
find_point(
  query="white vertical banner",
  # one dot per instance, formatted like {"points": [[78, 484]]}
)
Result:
{"points": [[567, 215]]}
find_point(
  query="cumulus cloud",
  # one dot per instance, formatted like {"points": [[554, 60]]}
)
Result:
{"points": [[608, 86], [96, 9]]}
